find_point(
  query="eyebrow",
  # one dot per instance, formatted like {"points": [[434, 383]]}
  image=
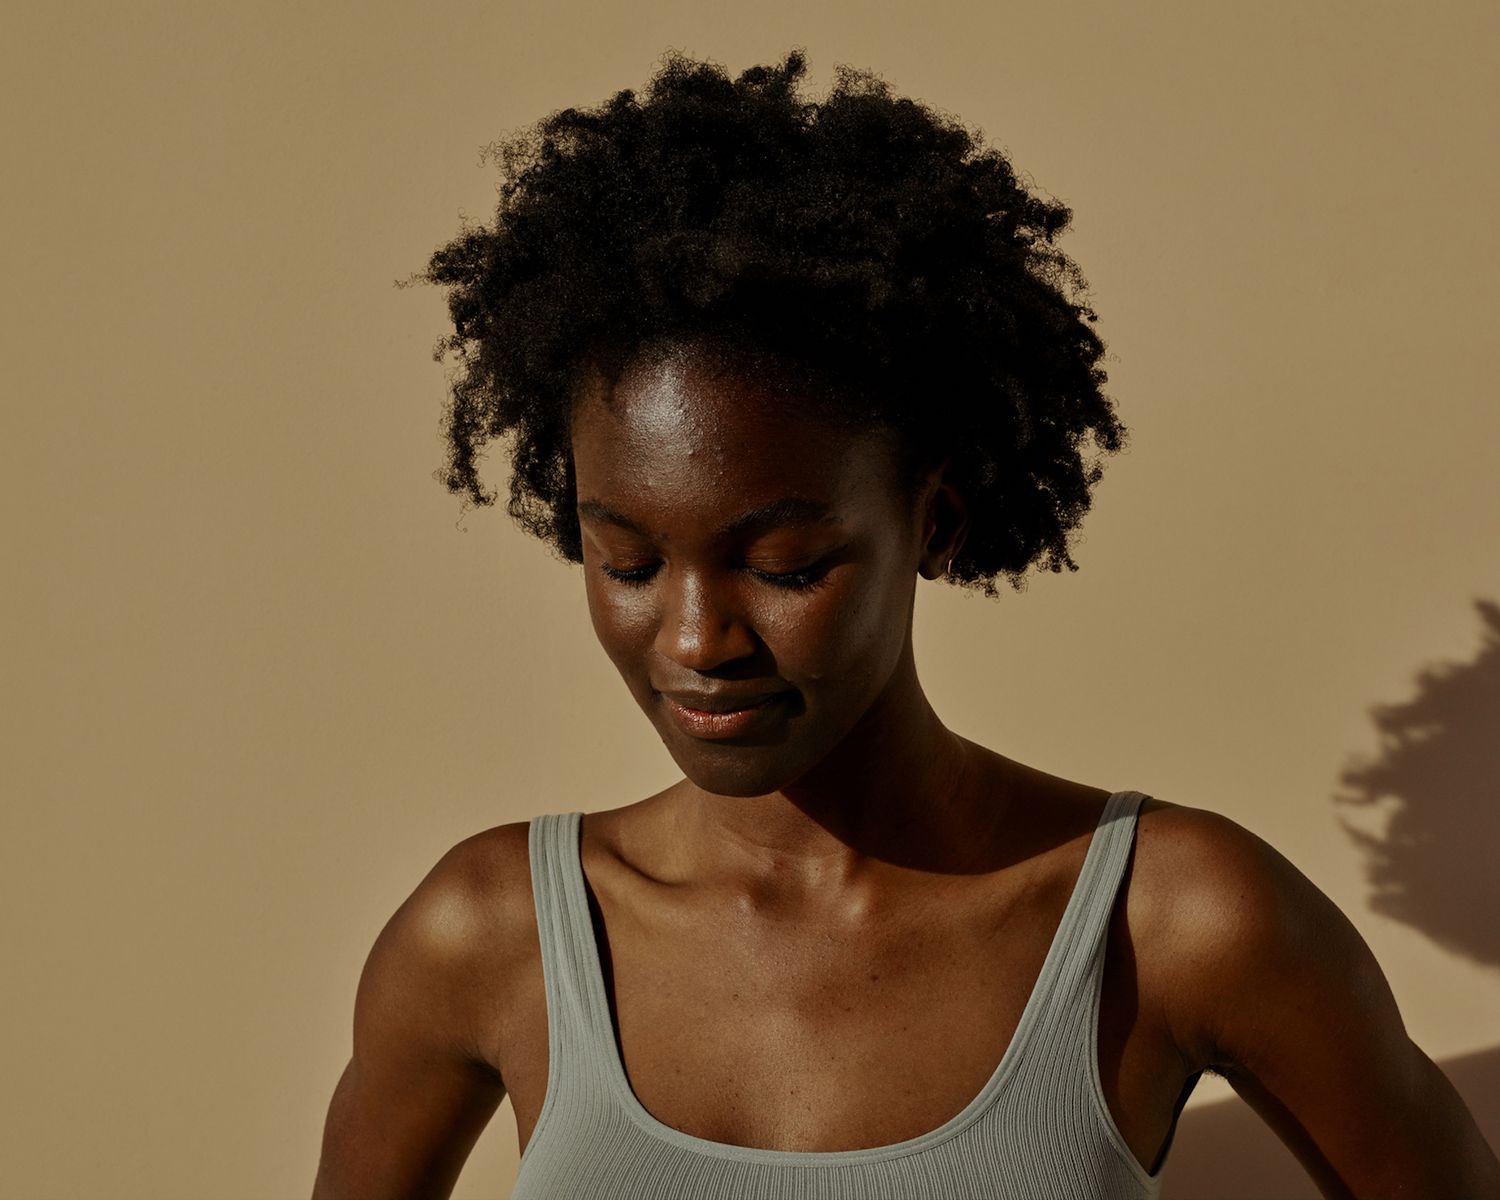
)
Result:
{"points": [[795, 511]]}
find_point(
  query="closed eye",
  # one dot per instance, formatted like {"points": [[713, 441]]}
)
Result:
{"points": [[797, 581], [633, 575], [803, 580]]}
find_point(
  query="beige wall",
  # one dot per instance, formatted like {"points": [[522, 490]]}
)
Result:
{"points": [[259, 674]]}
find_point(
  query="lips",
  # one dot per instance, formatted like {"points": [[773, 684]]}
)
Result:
{"points": [[720, 702], [729, 716]]}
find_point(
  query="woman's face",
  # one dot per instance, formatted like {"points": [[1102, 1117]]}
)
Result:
{"points": [[740, 551]]}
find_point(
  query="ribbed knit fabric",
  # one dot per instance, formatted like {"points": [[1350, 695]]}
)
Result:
{"points": [[1038, 1129]]}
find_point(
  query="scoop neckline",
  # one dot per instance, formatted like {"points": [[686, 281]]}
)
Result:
{"points": [[619, 1081]]}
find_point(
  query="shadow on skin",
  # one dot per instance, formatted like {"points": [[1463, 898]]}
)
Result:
{"points": [[1432, 867]]}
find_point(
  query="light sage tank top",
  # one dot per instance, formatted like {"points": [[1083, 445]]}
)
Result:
{"points": [[1038, 1129]]}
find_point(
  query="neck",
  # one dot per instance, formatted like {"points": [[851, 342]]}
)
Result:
{"points": [[897, 794]]}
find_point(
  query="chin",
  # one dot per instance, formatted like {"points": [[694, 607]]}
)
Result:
{"points": [[729, 778], [724, 769]]}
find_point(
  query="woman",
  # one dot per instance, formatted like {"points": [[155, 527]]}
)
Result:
{"points": [[762, 363]]}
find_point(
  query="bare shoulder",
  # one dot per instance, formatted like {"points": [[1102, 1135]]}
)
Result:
{"points": [[1221, 916], [487, 878], [423, 1079], [1198, 864], [1261, 977], [1203, 874], [464, 936]]}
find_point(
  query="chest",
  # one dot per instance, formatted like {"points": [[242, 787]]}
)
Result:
{"points": [[744, 1028]]}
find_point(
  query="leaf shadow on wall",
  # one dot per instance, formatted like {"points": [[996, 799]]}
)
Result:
{"points": [[1433, 866], [1438, 776]]}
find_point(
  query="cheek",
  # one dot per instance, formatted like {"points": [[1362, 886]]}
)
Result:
{"points": [[622, 623], [846, 638]]}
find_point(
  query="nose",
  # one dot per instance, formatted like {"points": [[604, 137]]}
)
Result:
{"points": [[702, 626]]}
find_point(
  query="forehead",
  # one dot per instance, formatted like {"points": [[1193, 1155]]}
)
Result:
{"points": [[682, 429]]}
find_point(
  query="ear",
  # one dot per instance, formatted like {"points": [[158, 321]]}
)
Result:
{"points": [[945, 523]]}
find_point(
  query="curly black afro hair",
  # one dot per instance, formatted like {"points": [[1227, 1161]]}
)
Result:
{"points": [[865, 239]]}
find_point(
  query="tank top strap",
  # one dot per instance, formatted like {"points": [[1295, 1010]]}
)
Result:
{"points": [[577, 1016], [1068, 1009]]}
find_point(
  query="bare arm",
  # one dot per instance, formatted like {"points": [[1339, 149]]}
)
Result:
{"points": [[1283, 997], [417, 1091]]}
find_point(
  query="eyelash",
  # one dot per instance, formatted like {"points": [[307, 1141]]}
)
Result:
{"points": [[793, 581]]}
